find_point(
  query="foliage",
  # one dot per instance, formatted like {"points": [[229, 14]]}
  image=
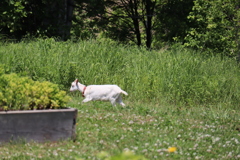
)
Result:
{"points": [[209, 26], [216, 26], [105, 17], [12, 13], [22, 93], [171, 21], [21, 18], [126, 21], [176, 75]]}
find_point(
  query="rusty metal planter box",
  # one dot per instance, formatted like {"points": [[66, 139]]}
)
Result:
{"points": [[38, 125]]}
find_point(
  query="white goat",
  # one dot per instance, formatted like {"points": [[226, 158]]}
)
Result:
{"points": [[110, 93]]}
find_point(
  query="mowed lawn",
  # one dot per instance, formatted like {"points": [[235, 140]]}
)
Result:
{"points": [[201, 132]]}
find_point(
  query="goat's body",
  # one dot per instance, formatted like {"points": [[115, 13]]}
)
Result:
{"points": [[108, 92]]}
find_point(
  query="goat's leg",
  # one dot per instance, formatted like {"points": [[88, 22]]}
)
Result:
{"points": [[86, 100], [113, 101], [122, 104], [119, 100]]}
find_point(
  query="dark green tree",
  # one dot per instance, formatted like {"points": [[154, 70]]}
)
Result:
{"points": [[138, 21], [171, 20], [124, 20], [36, 18], [12, 14]]}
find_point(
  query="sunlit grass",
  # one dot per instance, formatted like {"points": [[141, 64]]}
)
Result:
{"points": [[150, 130]]}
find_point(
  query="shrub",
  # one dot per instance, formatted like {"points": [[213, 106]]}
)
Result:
{"points": [[216, 27], [22, 93]]}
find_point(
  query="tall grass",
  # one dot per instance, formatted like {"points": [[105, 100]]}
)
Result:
{"points": [[174, 75]]}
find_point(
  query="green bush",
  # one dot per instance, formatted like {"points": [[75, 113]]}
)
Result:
{"points": [[216, 27], [22, 93]]}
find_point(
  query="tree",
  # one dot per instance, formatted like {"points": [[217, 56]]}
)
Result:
{"points": [[12, 13], [216, 26], [36, 18], [149, 7], [171, 20], [135, 12], [121, 20], [138, 21]]}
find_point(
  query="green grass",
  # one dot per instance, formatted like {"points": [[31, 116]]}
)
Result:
{"points": [[175, 75], [146, 129], [177, 98]]}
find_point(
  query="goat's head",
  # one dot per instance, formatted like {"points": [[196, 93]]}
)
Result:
{"points": [[74, 86]]}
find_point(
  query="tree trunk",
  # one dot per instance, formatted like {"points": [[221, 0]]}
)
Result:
{"points": [[137, 31], [135, 18], [58, 18], [148, 22], [68, 19]]}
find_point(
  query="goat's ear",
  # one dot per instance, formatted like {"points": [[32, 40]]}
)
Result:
{"points": [[76, 80]]}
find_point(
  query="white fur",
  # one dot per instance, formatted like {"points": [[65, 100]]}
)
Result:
{"points": [[110, 93]]}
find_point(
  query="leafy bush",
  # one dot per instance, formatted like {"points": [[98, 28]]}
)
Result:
{"points": [[216, 27], [22, 93]]}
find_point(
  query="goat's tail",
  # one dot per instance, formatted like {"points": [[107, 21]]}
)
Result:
{"points": [[122, 91]]}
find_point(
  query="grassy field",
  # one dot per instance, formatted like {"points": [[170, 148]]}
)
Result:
{"points": [[145, 129], [177, 98]]}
